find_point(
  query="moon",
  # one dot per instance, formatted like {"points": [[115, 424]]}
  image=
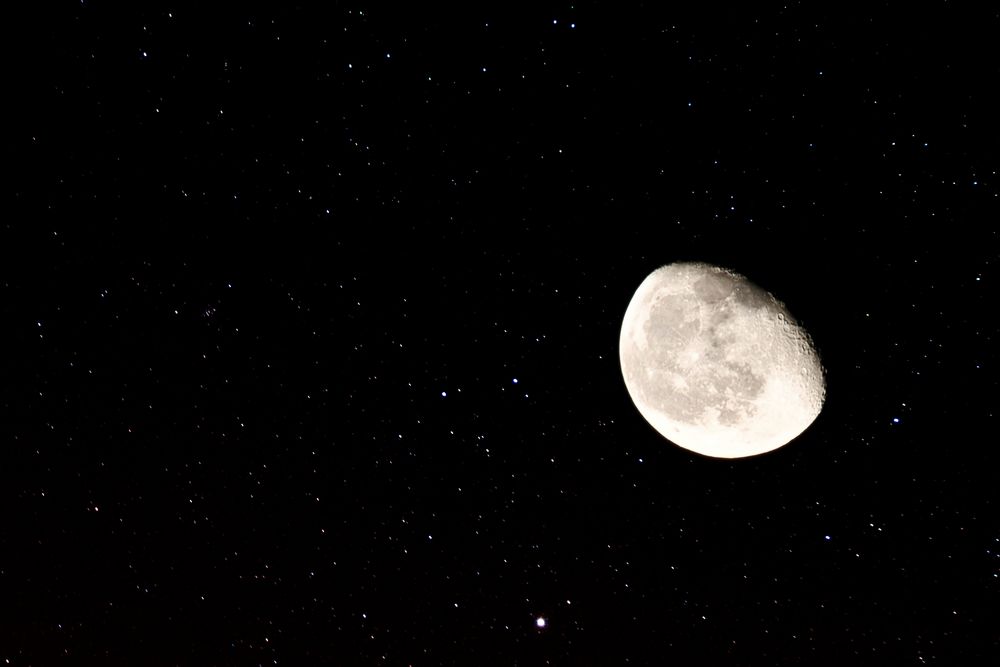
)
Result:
{"points": [[716, 364]]}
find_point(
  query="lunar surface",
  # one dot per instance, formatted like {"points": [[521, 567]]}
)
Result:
{"points": [[716, 364]]}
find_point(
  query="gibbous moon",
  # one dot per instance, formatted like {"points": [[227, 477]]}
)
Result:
{"points": [[716, 364]]}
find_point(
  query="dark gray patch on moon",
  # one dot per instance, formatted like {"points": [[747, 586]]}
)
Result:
{"points": [[714, 287], [754, 297], [742, 386]]}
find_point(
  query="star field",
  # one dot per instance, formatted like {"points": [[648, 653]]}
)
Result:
{"points": [[311, 316]]}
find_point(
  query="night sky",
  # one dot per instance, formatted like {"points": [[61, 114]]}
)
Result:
{"points": [[310, 327]]}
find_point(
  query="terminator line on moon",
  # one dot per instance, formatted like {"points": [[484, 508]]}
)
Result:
{"points": [[716, 364]]}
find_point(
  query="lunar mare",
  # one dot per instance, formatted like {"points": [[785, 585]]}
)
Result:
{"points": [[716, 364]]}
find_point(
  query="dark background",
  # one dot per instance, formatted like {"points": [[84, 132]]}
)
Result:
{"points": [[267, 276]]}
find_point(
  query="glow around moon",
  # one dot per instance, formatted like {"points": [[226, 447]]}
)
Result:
{"points": [[716, 364]]}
